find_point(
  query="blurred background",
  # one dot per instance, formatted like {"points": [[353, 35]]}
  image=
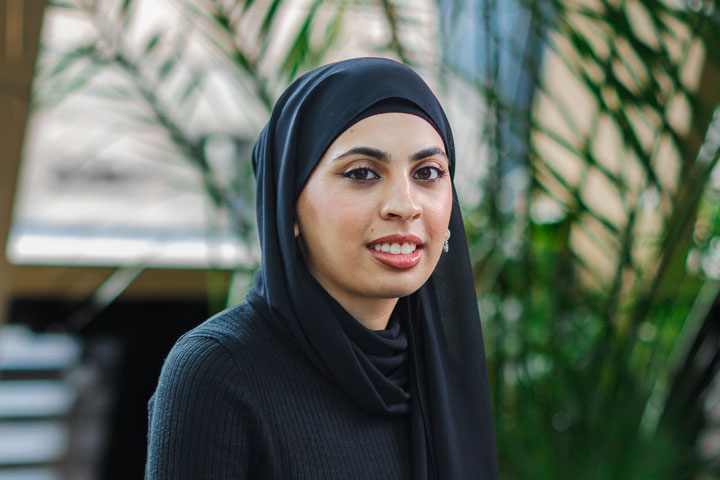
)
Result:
{"points": [[588, 139]]}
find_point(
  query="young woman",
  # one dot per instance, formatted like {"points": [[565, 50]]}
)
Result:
{"points": [[358, 354]]}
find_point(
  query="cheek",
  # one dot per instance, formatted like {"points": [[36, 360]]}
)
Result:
{"points": [[438, 214], [332, 215]]}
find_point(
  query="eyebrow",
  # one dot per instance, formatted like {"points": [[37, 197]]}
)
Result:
{"points": [[385, 158], [368, 152], [428, 152]]}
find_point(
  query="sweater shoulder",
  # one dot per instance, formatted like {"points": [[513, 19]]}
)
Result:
{"points": [[199, 420], [232, 322], [238, 328], [246, 339]]}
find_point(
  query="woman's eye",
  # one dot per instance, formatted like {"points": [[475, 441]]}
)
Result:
{"points": [[428, 173], [361, 174]]}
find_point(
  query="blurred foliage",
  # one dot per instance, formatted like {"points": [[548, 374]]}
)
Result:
{"points": [[596, 237], [601, 342]]}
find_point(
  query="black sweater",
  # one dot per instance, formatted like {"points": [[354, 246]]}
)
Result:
{"points": [[236, 399]]}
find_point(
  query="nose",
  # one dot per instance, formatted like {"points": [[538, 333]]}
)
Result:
{"points": [[401, 202]]}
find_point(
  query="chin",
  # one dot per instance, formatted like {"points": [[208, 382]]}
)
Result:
{"points": [[398, 291]]}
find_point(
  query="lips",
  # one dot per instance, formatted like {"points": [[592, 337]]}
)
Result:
{"points": [[397, 251]]}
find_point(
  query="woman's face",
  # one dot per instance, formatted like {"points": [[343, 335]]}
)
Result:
{"points": [[373, 216]]}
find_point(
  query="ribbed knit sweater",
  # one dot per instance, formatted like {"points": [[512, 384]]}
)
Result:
{"points": [[237, 399]]}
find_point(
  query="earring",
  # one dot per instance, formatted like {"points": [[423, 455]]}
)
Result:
{"points": [[446, 246]]}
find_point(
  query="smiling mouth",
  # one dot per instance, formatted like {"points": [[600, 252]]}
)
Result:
{"points": [[397, 251], [394, 248]]}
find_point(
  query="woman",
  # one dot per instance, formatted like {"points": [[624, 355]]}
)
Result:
{"points": [[359, 351]]}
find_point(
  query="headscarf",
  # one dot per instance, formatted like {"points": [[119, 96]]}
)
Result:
{"points": [[430, 360]]}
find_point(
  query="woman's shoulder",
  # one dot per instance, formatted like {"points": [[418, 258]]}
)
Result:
{"points": [[203, 402], [240, 325], [236, 323], [223, 355], [239, 334]]}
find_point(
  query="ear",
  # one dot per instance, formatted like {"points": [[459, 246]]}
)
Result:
{"points": [[296, 229]]}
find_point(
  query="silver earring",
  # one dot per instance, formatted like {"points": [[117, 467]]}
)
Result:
{"points": [[446, 246]]}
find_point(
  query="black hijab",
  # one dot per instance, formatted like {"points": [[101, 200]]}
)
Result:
{"points": [[430, 360]]}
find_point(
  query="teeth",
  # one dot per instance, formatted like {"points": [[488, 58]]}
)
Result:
{"points": [[395, 248]]}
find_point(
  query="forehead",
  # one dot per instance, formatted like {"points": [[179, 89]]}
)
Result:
{"points": [[395, 129]]}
